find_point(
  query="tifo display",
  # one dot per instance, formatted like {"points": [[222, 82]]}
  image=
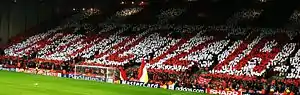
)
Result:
{"points": [[202, 59]]}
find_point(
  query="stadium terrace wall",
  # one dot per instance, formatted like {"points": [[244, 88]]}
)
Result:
{"points": [[16, 17]]}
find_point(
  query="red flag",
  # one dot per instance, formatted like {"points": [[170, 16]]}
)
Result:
{"points": [[123, 75], [143, 73], [140, 72], [202, 80]]}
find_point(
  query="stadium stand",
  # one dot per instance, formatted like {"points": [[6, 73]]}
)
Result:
{"points": [[251, 60]]}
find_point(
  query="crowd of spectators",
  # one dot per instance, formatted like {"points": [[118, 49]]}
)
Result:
{"points": [[128, 12], [91, 12], [246, 15], [123, 13], [294, 20], [233, 58], [169, 14]]}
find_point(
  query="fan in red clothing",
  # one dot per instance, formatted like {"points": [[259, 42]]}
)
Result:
{"points": [[202, 80]]}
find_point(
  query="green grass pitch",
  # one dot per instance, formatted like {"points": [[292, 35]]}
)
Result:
{"points": [[12, 83]]}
